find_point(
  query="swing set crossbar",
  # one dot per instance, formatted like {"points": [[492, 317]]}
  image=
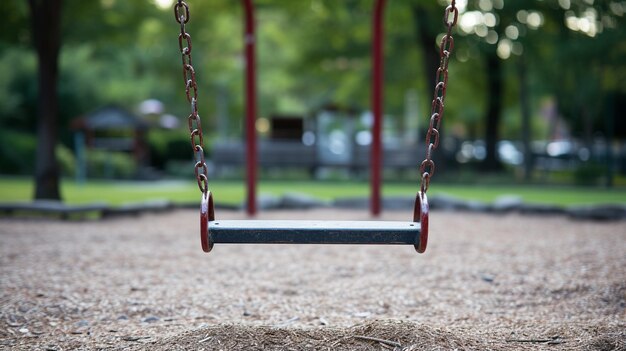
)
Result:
{"points": [[313, 232]]}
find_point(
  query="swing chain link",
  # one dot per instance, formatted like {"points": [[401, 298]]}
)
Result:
{"points": [[181, 13], [427, 167]]}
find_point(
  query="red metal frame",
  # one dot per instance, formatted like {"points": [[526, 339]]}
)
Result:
{"points": [[377, 106], [251, 149]]}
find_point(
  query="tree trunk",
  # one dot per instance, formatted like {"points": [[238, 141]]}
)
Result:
{"points": [[494, 107], [525, 112], [426, 39], [609, 120], [46, 29], [426, 29]]}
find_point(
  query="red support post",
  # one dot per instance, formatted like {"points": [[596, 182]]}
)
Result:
{"points": [[250, 86], [377, 106]]}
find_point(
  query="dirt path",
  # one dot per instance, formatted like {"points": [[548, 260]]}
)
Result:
{"points": [[486, 282]]}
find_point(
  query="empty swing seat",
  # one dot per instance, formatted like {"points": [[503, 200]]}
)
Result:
{"points": [[313, 232], [214, 231]]}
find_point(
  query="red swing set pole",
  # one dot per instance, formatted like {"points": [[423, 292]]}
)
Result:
{"points": [[251, 106], [377, 106]]}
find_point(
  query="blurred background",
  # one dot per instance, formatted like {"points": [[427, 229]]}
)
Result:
{"points": [[92, 101]]}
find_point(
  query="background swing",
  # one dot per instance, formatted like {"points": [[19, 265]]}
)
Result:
{"points": [[413, 232]]}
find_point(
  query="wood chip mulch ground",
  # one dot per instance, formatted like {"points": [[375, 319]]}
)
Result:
{"points": [[486, 282]]}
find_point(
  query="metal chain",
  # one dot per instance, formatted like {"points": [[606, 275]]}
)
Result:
{"points": [[427, 168], [181, 13]]}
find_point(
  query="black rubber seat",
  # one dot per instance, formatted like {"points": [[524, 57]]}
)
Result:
{"points": [[214, 231], [313, 232]]}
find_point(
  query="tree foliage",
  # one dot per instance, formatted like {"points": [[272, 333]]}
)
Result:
{"points": [[315, 51]]}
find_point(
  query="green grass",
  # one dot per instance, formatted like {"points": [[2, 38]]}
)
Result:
{"points": [[232, 192]]}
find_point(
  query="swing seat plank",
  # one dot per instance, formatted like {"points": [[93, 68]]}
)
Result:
{"points": [[313, 232]]}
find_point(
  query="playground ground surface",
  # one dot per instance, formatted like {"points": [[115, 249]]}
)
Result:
{"points": [[498, 282]]}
